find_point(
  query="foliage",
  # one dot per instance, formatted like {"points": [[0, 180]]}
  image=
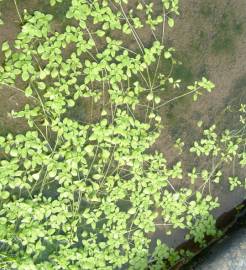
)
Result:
{"points": [[90, 193]]}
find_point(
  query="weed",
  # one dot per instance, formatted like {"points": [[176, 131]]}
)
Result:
{"points": [[94, 167]]}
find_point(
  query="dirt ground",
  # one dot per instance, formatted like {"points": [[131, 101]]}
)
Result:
{"points": [[210, 38]]}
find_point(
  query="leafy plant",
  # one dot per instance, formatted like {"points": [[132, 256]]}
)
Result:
{"points": [[91, 193]]}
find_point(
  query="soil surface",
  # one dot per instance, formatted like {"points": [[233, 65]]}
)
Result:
{"points": [[210, 38]]}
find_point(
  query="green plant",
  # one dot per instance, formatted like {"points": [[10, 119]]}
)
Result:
{"points": [[234, 182], [90, 193]]}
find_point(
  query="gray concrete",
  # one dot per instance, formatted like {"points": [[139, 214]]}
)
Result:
{"points": [[227, 254]]}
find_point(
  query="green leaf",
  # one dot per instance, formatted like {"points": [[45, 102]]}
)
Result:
{"points": [[54, 73], [42, 74], [167, 55], [5, 46], [27, 164], [170, 22], [25, 76], [132, 211], [97, 176], [52, 2], [70, 103], [157, 100], [14, 152], [41, 85], [200, 123], [52, 173], [36, 176], [4, 195], [140, 6], [28, 91], [100, 33], [150, 96]]}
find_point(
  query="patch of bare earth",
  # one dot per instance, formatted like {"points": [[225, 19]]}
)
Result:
{"points": [[226, 68]]}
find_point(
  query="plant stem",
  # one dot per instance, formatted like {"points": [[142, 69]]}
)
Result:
{"points": [[170, 100], [18, 12]]}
